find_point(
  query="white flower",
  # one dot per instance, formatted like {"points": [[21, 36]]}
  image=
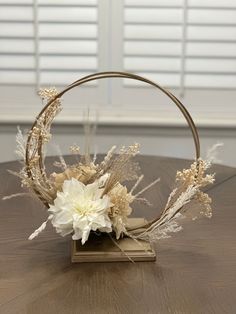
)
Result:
{"points": [[81, 208]]}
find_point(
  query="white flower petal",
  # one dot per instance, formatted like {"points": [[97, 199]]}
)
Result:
{"points": [[77, 234], [85, 234], [81, 208], [73, 187], [64, 231], [92, 191], [103, 179]]}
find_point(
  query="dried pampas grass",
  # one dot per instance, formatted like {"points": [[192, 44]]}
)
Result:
{"points": [[188, 188]]}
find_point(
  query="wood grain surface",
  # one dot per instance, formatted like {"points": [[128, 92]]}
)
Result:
{"points": [[195, 271]]}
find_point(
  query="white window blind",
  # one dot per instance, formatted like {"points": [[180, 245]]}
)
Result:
{"points": [[188, 46], [47, 42], [185, 44]]}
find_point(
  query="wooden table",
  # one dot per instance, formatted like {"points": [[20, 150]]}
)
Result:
{"points": [[195, 271]]}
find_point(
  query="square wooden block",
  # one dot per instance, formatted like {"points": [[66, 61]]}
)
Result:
{"points": [[102, 249]]}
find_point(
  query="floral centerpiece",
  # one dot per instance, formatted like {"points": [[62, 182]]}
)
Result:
{"points": [[91, 197]]}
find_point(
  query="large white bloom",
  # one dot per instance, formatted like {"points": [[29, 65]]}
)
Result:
{"points": [[81, 208]]}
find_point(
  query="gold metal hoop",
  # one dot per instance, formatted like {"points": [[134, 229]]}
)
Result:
{"points": [[103, 75]]}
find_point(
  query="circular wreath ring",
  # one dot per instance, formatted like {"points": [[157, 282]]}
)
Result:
{"points": [[35, 141]]}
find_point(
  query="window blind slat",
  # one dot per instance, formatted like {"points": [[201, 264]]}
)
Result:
{"points": [[15, 2], [211, 16], [152, 32], [11, 13], [17, 62], [145, 15], [59, 78], [211, 32], [16, 29], [157, 64], [16, 46], [72, 63], [17, 77], [153, 2], [61, 46], [61, 14], [64, 46], [211, 49], [68, 2], [68, 30], [210, 65], [152, 48], [49, 2], [172, 80], [213, 4], [48, 62], [48, 30], [210, 81]]}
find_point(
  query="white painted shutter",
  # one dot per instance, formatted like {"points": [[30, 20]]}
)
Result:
{"points": [[186, 45], [47, 42], [182, 43]]}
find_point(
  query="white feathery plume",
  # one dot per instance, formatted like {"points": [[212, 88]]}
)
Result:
{"points": [[213, 152], [95, 125], [170, 197], [61, 158], [20, 144], [163, 231], [87, 135], [108, 156], [93, 134], [182, 200], [40, 229], [95, 154], [172, 212]]}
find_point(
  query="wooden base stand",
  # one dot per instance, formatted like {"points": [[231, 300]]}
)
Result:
{"points": [[102, 249]]}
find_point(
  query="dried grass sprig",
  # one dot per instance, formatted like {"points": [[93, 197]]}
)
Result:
{"points": [[188, 185], [106, 163], [147, 187], [139, 180], [120, 248], [20, 144], [123, 168], [8, 197], [143, 200], [62, 163], [163, 231], [39, 134]]}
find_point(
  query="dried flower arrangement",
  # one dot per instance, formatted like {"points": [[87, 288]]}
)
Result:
{"points": [[91, 196]]}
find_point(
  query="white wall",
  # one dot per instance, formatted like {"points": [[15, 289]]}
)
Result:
{"points": [[163, 141]]}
